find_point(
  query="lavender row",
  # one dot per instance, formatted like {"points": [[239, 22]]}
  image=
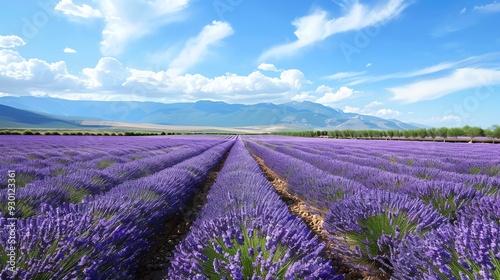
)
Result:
{"points": [[408, 232], [44, 164], [76, 183], [246, 232], [482, 159], [106, 236], [312, 185], [381, 178]]}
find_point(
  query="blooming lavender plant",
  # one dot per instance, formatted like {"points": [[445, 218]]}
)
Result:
{"points": [[360, 223], [246, 232]]}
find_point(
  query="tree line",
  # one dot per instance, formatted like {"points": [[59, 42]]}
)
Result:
{"points": [[442, 133]]}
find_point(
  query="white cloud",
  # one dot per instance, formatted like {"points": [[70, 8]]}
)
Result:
{"points": [[368, 65], [349, 109], [108, 73], [303, 97], [110, 80], [374, 104], [196, 47], [330, 97], [462, 11], [492, 7], [386, 113], [447, 118], [444, 66], [128, 20], [19, 75], [317, 26], [370, 111], [254, 87], [67, 7], [11, 41], [460, 79], [69, 50], [343, 75], [268, 67]]}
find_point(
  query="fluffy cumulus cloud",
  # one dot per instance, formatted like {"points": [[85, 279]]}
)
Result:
{"points": [[69, 50], [460, 79], [325, 95], [229, 87], [20, 75], [67, 7], [330, 97], [11, 41], [196, 47], [268, 67], [108, 73], [110, 80], [317, 26], [373, 109], [446, 119]]}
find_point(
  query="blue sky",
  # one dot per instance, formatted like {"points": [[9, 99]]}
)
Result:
{"points": [[430, 62]]}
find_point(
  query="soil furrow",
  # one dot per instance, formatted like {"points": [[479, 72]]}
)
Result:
{"points": [[154, 267], [314, 221]]}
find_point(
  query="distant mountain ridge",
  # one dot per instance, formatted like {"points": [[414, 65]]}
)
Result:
{"points": [[12, 117], [299, 115]]}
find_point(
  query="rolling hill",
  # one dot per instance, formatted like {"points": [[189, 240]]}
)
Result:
{"points": [[296, 115], [15, 118]]}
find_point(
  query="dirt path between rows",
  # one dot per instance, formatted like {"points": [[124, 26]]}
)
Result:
{"points": [[314, 221], [158, 258]]}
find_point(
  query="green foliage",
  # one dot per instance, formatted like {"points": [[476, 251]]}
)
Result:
{"points": [[393, 223], [473, 131], [22, 179], [254, 241], [103, 164]]}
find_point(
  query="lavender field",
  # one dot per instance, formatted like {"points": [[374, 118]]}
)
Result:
{"points": [[270, 207]]}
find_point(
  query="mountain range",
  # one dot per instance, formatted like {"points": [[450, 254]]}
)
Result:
{"points": [[47, 111]]}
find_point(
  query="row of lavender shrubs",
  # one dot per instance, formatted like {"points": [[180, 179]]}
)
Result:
{"points": [[105, 236], [431, 231], [245, 231]]}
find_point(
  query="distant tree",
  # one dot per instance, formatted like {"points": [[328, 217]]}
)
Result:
{"points": [[365, 133], [472, 132], [432, 132], [332, 133], [442, 132], [358, 134], [382, 133], [455, 132], [391, 133], [493, 132], [422, 133], [406, 134]]}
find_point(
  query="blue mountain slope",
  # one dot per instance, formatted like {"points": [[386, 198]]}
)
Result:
{"points": [[307, 115]]}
